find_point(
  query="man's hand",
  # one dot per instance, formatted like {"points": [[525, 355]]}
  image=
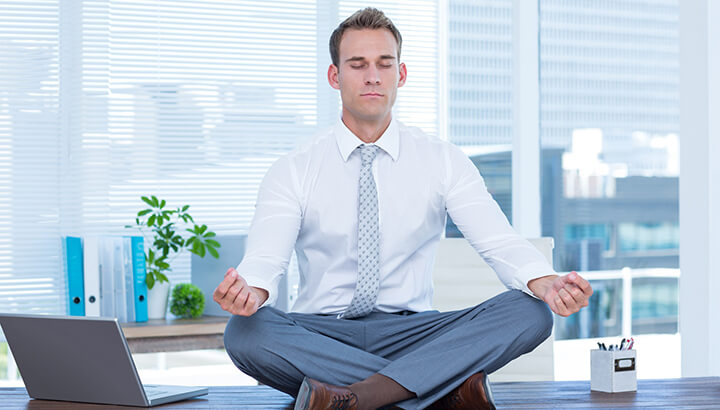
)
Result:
{"points": [[564, 294], [235, 296]]}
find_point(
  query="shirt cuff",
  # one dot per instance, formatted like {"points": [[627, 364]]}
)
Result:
{"points": [[530, 272]]}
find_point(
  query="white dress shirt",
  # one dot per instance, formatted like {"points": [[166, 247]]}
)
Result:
{"points": [[308, 199]]}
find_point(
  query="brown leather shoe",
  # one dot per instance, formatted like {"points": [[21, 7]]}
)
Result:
{"points": [[314, 395], [473, 394]]}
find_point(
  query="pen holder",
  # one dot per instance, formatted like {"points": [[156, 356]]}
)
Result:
{"points": [[613, 371]]}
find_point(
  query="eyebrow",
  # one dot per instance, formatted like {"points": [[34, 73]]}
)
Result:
{"points": [[359, 58]]}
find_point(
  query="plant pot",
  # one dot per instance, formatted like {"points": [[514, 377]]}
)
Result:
{"points": [[158, 300]]}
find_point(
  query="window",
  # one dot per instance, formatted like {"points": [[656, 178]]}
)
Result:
{"points": [[648, 237], [609, 123], [480, 92], [102, 101]]}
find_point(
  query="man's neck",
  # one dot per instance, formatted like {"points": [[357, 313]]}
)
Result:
{"points": [[367, 131]]}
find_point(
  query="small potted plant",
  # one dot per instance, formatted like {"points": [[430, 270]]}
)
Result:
{"points": [[167, 233], [187, 301]]}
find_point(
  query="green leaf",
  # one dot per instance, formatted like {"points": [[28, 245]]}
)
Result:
{"points": [[185, 208], [202, 250], [155, 201], [203, 229], [209, 234], [150, 280], [147, 200], [213, 252], [151, 220], [144, 212], [196, 248], [162, 204], [162, 278], [213, 243]]}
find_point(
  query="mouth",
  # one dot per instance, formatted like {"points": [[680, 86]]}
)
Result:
{"points": [[372, 95]]}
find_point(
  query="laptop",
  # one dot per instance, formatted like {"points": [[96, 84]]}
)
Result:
{"points": [[81, 359]]}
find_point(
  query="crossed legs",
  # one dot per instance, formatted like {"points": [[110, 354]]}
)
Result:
{"points": [[428, 353]]}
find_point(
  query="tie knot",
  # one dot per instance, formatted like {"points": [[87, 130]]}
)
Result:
{"points": [[368, 153]]}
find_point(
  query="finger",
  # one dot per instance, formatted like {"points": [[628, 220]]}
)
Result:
{"points": [[567, 298], [226, 302], [241, 300], [230, 278], [560, 307], [581, 282], [576, 293], [233, 292], [581, 299]]}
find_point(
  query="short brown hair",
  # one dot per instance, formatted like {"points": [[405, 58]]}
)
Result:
{"points": [[367, 18]]}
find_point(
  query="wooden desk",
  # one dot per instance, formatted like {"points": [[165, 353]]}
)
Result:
{"points": [[690, 393], [174, 335]]}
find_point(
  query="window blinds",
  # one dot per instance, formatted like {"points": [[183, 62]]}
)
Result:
{"points": [[104, 101]]}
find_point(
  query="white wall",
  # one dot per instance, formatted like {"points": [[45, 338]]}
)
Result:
{"points": [[700, 187]]}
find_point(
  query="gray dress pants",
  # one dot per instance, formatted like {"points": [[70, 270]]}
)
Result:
{"points": [[429, 353]]}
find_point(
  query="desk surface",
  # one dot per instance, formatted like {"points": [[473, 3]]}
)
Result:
{"points": [[690, 393]]}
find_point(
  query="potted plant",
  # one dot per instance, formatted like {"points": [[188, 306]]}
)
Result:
{"points": [[187, 301], [167, 233]]}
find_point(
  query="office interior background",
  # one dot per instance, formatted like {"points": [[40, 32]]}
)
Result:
{"points": [[102, 101]]}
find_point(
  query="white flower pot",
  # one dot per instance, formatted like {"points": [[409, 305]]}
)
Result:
{"points": [[158, 300]]}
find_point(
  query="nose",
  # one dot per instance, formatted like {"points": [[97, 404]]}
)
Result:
{"points": [[372, 75]]}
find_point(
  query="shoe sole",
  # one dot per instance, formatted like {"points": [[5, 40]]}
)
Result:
{"points": [[488, 393], [303, 398]]}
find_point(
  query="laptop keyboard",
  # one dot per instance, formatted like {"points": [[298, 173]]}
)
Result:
{"points": [[156, 390]]}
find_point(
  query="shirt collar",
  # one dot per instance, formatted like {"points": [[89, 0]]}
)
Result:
{"points": [[347, 141]]}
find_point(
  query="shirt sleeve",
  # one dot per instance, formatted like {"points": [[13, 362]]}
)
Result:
{"points": [[476, 214], [273, 231]]}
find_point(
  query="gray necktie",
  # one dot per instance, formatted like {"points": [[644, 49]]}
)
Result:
{"points": [[368, 282]]}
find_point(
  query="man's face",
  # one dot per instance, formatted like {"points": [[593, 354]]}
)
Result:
{"points": [[368, 74]]}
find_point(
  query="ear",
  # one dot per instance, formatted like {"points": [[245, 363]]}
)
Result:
{"points": [[333, 77], [403, 74]]}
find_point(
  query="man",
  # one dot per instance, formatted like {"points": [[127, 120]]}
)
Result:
{"points": [[364, 205]]}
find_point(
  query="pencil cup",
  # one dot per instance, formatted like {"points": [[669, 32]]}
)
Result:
{"points": [[613, 371]]}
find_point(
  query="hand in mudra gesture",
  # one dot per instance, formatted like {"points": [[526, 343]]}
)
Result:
{"points": [[235, 296], [565, 294]]}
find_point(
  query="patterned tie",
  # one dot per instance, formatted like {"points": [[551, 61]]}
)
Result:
{"points": [[368, 282]]}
